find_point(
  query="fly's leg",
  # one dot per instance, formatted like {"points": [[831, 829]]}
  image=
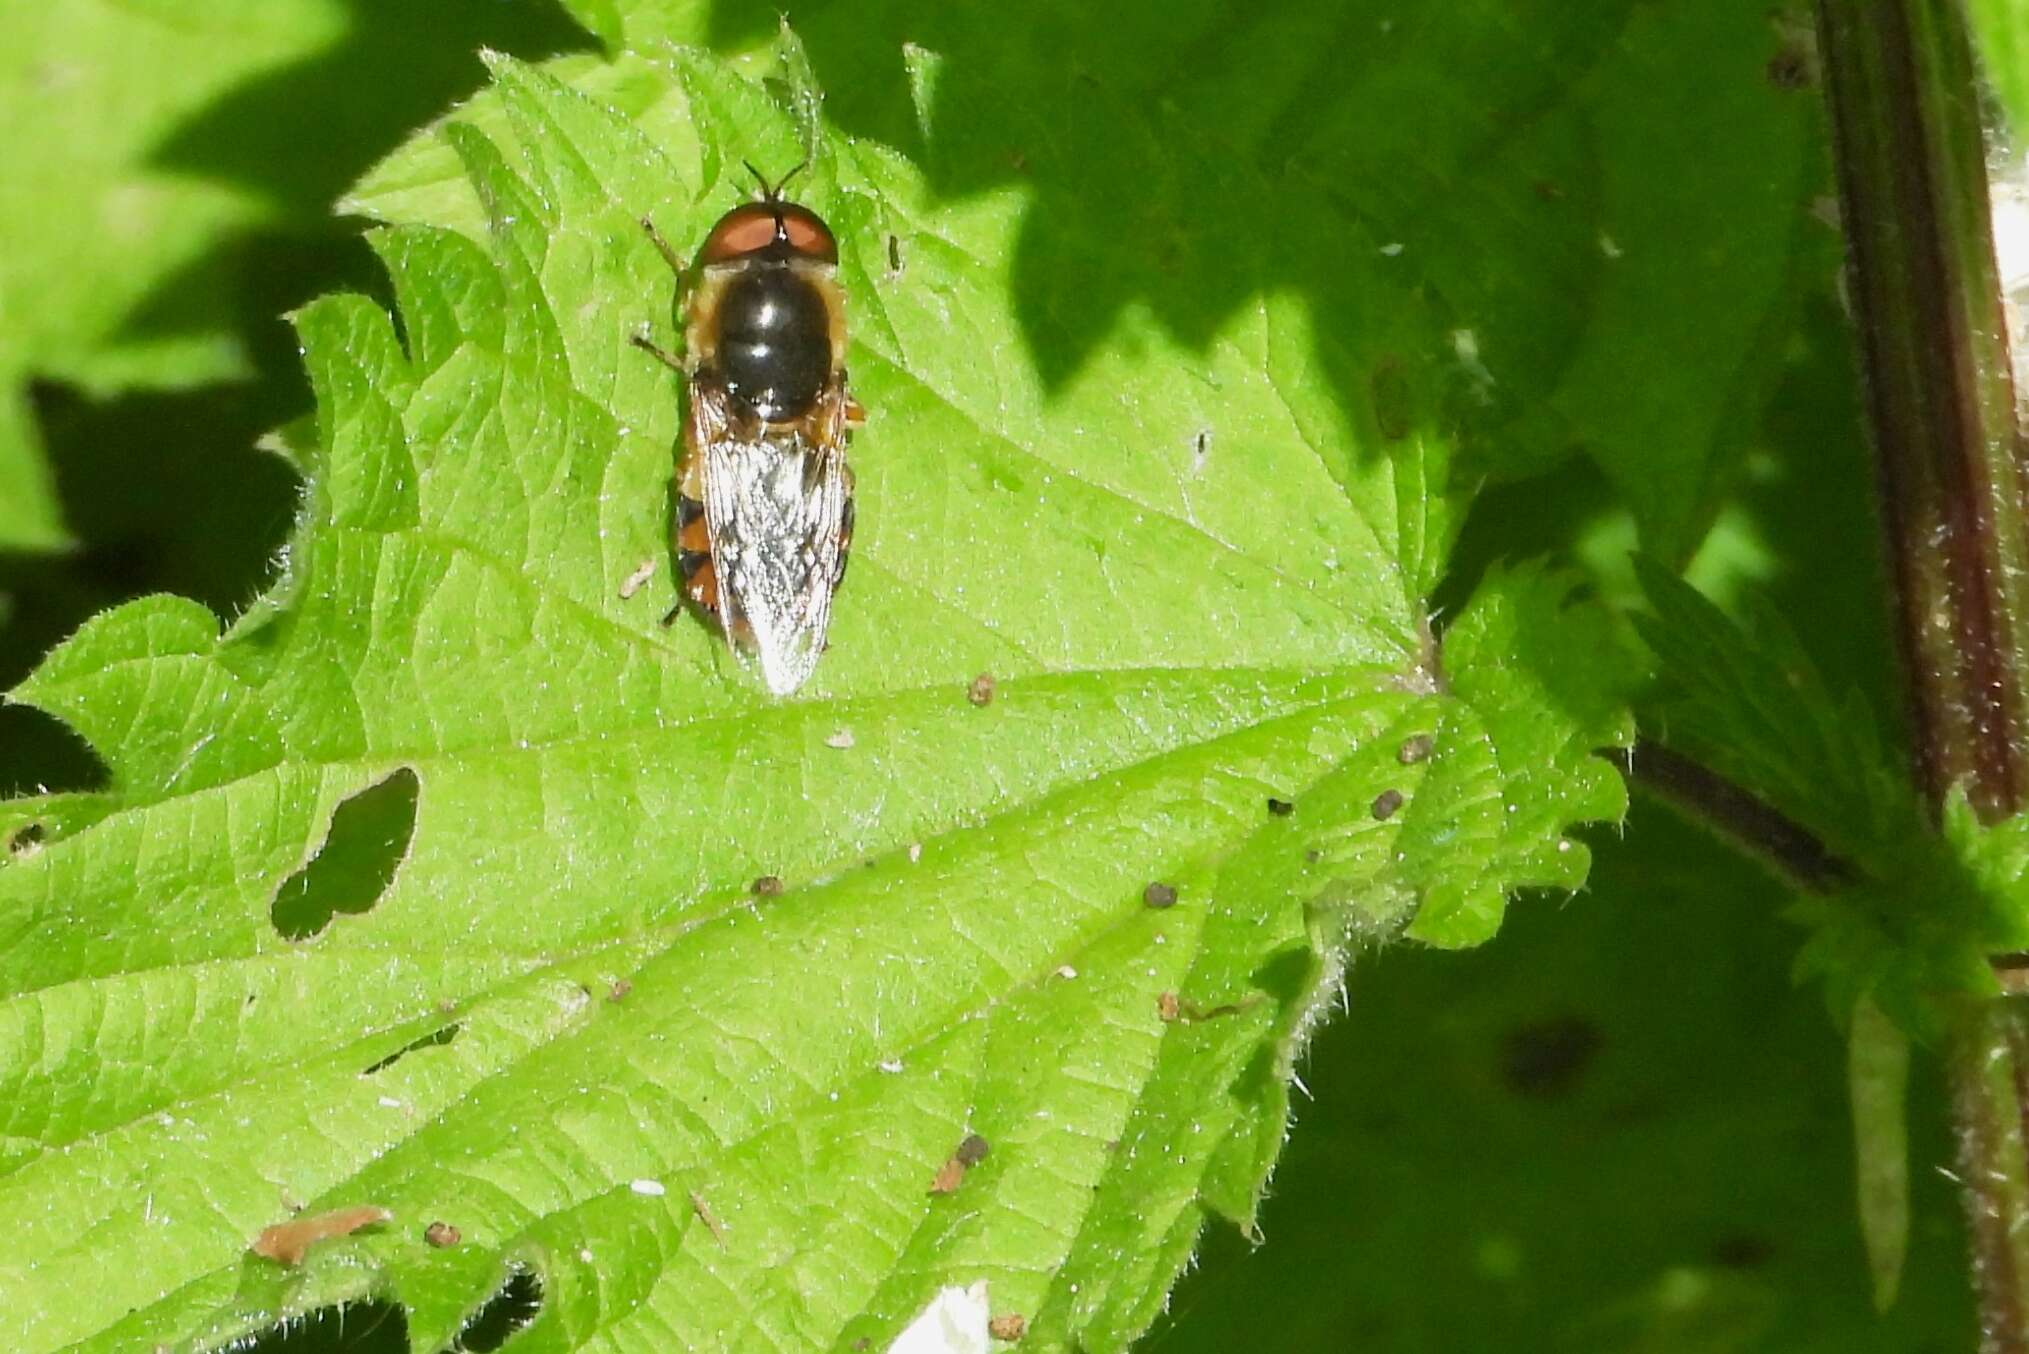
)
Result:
{"points": [[662, 247], [641, 339], [648, 345]]}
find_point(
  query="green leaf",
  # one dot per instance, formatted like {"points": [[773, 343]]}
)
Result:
{"points": [[1878, 1083], [1907, 922], [151, 144], [2000, 26], [1744, 698], [697, 1113]]}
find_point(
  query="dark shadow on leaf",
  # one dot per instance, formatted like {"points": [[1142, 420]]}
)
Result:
{"points": [[163, 490], [39, 754], [164, 493], [299, 134], [1812, 501], [1162, 148], [294, 137]]}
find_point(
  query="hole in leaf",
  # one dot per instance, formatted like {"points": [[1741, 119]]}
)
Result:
{"points": [[512, 1307], [434, 1039], [368, 837], [354, 1328], [26, 840]]}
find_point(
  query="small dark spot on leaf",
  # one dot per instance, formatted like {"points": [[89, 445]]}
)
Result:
{"points": [[1742, 1250], [894, 255], [767, 886], [971, 1151], [1281, 808], [621, 987], [1009, 1326], [1159, 895], [442, 1235], [1415, 749], [1389, 388], [1547, 1058], [981, 691], [25, 840], [1790, 68], [513, 1306], [862, 1344], [1385, 805], [1312, 856], [363, 847], [434, 1039], [1547, 190]]}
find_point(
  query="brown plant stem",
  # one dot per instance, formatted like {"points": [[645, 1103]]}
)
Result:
{"points": [[1735, 813], [1926, 301]]}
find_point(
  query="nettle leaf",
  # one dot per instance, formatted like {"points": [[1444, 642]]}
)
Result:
{"points": [[1743, 698], [430, 886], [130, 256]]}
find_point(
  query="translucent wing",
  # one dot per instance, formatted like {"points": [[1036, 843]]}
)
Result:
{"points": [[779, 509]]}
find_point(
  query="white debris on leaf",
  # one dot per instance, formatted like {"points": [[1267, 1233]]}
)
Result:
{"points": [[953, 1323], [841, 739], [650, 1189]]}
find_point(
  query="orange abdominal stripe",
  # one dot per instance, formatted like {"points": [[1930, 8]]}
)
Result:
{"points": [[759, 226]]}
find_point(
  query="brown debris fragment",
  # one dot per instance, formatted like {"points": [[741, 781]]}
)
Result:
{"points": [[1009, 1326], [1385, 805], [286, 1242], [634, 582], [981, 690], [1176, 1010], [1415, 749], [971, 1150], [705, 1216], [949, 1176], [1159, 896], [1281, 808], [767, 886], [442, 1235]]}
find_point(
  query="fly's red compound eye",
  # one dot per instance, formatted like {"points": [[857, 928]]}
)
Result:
{"points": [[740, 232], [758, 226], [808, 235]]}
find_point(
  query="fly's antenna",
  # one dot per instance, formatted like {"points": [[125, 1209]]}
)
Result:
{"points": [[773, 192]]}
